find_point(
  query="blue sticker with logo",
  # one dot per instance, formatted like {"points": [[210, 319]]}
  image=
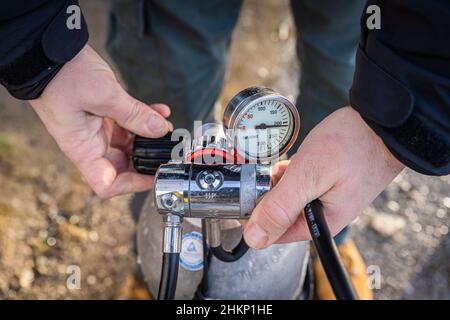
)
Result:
{"points": [[191, 256]]}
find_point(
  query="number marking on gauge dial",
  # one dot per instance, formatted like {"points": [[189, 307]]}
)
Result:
{"points": [[264, 129], [263, 124]]}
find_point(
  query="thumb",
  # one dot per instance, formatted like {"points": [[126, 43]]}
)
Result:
{"points": [[280, 208], [138, 117]]}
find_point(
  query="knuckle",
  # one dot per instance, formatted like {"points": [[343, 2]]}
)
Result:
{"points": [[133, 113], [276, 215], [102, 194], [101, 191]]}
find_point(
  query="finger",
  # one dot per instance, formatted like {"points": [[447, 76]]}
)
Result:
{"points": [[280, 208], [275, 213], [104, 179], [299, 231], [121, 138], [170, 126], [108, 129], [278, 170], [243, 223], [130, 182], [138, 117], [162, 109], [118, 159]]}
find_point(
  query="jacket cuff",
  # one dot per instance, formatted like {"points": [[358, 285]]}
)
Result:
{"points": [[27, 76], [388, 106]]}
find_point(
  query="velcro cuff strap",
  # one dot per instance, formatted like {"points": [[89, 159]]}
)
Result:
{"points": [[27, 76], [25, 68], [378, 96], [390, 109]]}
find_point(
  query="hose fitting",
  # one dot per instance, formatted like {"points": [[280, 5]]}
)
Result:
{"points": [[172, 233]]}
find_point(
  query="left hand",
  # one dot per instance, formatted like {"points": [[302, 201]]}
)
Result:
{"points": [[89, 114], [342, 162]]}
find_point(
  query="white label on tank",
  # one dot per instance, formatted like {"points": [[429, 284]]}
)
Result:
{"points": [[191, 256]]}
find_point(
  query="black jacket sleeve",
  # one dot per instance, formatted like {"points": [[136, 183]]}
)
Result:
{"points": [[401, 86], [35, 42]]}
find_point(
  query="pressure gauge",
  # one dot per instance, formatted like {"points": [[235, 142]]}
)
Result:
{"points": [[263, 124]]}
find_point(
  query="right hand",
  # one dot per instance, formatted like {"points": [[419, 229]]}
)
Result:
{"points": [[342, 162], [89, 115]]}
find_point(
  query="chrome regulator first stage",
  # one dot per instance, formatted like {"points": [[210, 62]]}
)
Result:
{"points": [[215, 179]]}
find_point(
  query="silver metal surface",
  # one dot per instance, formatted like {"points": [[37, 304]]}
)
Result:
{"points": [[217, 192], [222, 201], [210, 191], [210, 135], [276, 272], [248, 189], [263, 181], [210, 179], [172, 234], [213, 232], [171, 183]]}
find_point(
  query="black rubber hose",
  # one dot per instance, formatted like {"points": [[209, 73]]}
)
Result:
{"points": [[327, 252], [169, 275], [227, 256], [204, 285]]}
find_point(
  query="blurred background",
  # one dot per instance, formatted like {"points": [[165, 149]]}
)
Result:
{"points": [[50, 219]]}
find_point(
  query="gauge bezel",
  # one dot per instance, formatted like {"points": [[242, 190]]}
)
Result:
{"points": [[235, 111]]}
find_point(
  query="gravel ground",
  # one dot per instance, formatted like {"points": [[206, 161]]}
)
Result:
{"points": [[405, 234], [50, 220]]}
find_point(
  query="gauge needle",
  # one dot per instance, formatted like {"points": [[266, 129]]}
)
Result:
{"points": [[265, 126]]}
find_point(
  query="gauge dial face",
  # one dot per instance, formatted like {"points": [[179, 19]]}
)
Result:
{"points": [[264, 129]]}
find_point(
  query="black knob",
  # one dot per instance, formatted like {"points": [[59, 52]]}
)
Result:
{"points": [[149, 153]]}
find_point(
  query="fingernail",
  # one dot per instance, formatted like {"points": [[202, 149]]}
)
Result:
{"points": [[255, 236], [157, 124]]}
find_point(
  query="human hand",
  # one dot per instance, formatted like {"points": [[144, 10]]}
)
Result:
{"points": [[89, 114], [342, 162]]}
